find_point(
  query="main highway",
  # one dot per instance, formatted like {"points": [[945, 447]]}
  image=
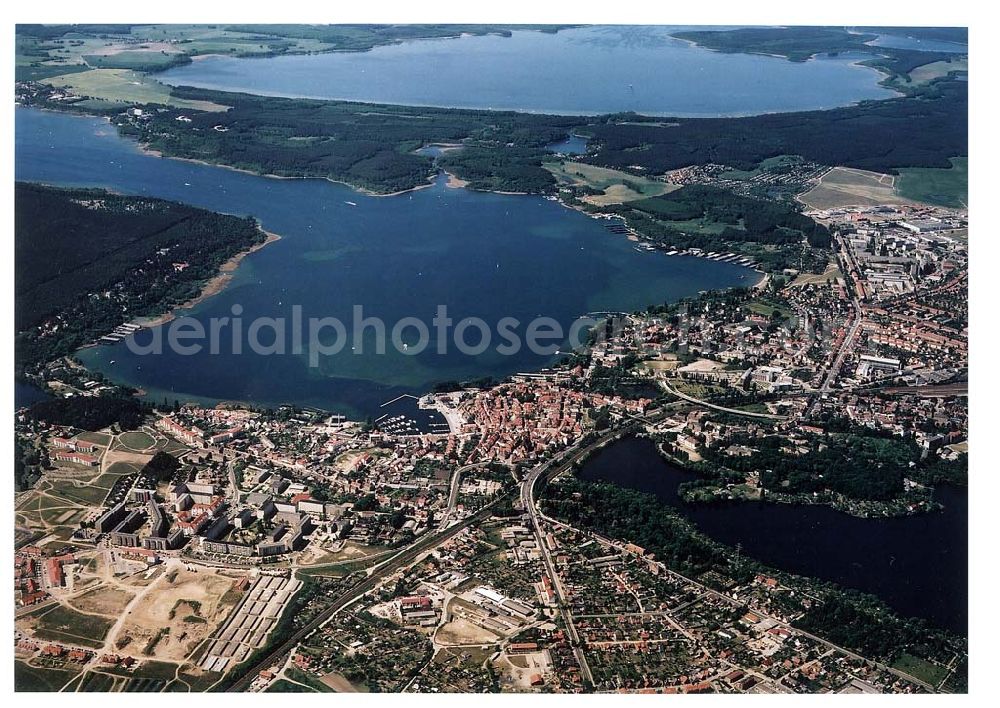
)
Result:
{"points": [[563, 462], [848, 267], [734, 411]]}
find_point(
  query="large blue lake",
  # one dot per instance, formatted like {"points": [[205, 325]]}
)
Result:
{"points": [[484, 255], [585, 70]]}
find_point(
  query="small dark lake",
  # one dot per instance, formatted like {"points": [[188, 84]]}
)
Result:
{"points": [[26, 394], [918, 564], [572, 145]]}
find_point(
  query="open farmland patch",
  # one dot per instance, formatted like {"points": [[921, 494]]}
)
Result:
{"points": [[63, 624], [844, 186]]}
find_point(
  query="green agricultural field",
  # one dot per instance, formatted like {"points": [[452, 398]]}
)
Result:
{"points": [[701, 226], [300, 676], [283, 686], [946, 187], [202, 39], [120, 468], [45, 501], [60, 536], [768, 309], [143, 685], [937, 69], [136, 60], [333, 570], [97, 105], [61, 516], [617, 186], [172, 446], [61, 624], [98, 683], [155, 670], [198, 682], [846, 186], [32, 678], [87, 495], [68, 50], [832, 273], [105, 481], [125, 86], [158, 47], [39, 71]]}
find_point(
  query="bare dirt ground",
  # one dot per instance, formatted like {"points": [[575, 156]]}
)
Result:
{"points": [[119, 455], [661, 365], [701, 365], [517, 670], [205, 587], [348, 552], [338, 683], [832, 273], [461, 631], [347, 460]]}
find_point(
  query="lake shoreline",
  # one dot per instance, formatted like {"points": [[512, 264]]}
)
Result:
{"points": [[275, 76], [886, 81], [453, 182], [211, 287], [761, 283], [147, 150], [768, 497]]}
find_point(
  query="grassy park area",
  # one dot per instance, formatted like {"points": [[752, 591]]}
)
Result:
{"points": [[616, 186], [921, 668]]}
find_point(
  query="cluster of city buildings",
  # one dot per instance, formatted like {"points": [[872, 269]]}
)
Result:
{"points": [[522, 421], [784, 175], [75, 450], [37, 573]]}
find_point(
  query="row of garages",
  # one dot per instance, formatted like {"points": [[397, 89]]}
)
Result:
{"points": [[248, 626]]}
